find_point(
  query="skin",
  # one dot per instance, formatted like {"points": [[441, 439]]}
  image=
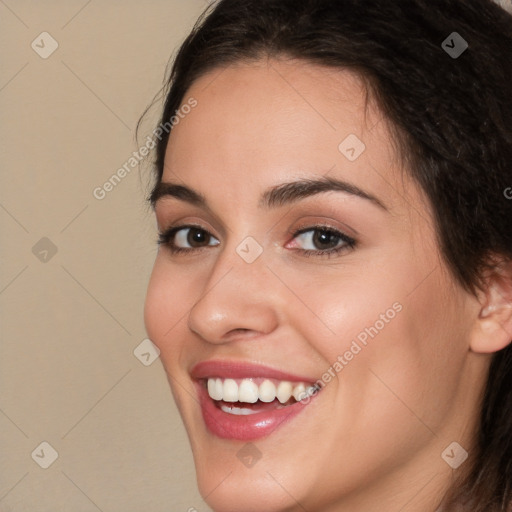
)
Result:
{"points": [[372, 438]]}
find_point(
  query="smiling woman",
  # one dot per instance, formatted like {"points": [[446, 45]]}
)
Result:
{"points": [[345, 159]]}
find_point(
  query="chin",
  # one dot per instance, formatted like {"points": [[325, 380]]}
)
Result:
{"points": [[244, 492]]}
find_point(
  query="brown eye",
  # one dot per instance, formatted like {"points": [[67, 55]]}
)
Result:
{"points": [[324, 239], [187, 238], [196, 237], [191, 237]]}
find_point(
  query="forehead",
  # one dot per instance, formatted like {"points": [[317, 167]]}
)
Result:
{"points": [[274, 96], [266, 121]]}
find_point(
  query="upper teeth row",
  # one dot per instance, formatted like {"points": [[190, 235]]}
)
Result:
{"points": [[248, 391]]}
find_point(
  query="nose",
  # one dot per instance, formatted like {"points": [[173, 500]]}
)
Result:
{"points": [[237, 299]]}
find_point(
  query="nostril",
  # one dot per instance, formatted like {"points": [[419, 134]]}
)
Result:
{"points": [[233, 333]]}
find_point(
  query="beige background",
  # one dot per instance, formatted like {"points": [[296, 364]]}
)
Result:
{"points": [[69, 326]]}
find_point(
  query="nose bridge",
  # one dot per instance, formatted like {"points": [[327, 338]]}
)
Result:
{"points": [[235, 295]]}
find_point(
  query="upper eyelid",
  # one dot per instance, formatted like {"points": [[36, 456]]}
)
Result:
{"points": [[180, 227], [325, 227], [296, 231], [214, 222], [222, 228], [344, 230], [339, 233]]}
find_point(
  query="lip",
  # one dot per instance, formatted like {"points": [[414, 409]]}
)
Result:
{"points": [[250, 427], [241, 370]]}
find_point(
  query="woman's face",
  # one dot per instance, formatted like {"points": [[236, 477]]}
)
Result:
{"points": [[287, 160]]}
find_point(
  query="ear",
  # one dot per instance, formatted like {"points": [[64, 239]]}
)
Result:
{"points": [[493, 327]]}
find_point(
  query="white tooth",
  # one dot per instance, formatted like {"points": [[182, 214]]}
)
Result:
{"points": [[230, 391], [237, 411], [267, 391], [219, 388], [299, 392], [213, 390], [248, 391], [284, 391]]}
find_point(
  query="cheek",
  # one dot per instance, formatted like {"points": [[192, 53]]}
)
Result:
{"points": [[167, 301], [388, 334], [155, 306], [410, 358], [350, 302]]}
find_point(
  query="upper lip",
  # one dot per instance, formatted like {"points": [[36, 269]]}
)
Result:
{"points": [[241, 370]]}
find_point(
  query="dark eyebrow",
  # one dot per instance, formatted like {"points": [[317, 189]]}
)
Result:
{"points": [[165, 189], [274, 197], [295, 190]]}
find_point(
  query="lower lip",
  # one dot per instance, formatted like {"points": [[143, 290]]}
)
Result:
{"points": [[245, 428]]}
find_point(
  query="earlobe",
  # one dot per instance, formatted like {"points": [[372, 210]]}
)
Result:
{"points": [[493, 327]]}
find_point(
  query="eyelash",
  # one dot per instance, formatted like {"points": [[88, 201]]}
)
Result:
{"points": [[165, 238]]}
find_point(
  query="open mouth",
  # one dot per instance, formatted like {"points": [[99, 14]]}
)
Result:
{"points": [[243, 397], [244, 401]]}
